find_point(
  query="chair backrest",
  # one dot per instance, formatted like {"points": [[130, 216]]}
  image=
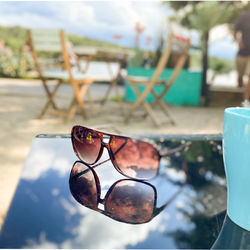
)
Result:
{"points": [[174, 43], [49, 49], [180, 47], [163, 60]]}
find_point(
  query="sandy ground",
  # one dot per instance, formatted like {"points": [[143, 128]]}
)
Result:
{"points": [[21, 102]]}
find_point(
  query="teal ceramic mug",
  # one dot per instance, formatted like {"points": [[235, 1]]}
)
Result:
{"points": [[236, 153]]}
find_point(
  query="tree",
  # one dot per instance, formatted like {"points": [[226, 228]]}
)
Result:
{"points": [[207, 15], [203, 16]]}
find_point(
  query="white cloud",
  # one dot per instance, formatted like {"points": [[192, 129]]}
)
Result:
{"points": [[43, 158], [28, 20], [102, 19], [98, 19], [220, 32]]}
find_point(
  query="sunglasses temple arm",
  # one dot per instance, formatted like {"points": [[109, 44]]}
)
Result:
{"points": [[159, 209], [121, 147], [80, 173], [100, 163], [175, 150]]}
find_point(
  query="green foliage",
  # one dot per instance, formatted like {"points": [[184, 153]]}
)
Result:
{"points": [[14, 37], [85, 41], [14, 64], [211, 154], [209, 14], [195, 60], [137, 59], [201, 234], [203, 16], [176, 5], [218, 65], [221, 66], [228, 10]]}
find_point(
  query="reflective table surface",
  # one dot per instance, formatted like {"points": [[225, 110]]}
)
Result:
{"points": [[44, 214]]}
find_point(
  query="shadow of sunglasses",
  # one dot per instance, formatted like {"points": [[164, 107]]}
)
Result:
{"points": [[127, 200]]}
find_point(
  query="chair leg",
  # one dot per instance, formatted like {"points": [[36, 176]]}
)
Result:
{"points": [[128, 115], [50, 100], [78, 95], [118, 95], [158, 100], [113, 84], [105, 98], [165, 110], [150, 113], [48, 91], [72, 110], [73, 105], [135, 105], [90, 101], [149, 108]]}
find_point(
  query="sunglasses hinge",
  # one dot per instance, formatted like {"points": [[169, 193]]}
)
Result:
{"points": [[104, 144]]}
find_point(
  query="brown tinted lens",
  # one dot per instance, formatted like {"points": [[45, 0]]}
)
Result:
{"points": [[135, 158], [83, 185], [131, 201], [87, 144]]}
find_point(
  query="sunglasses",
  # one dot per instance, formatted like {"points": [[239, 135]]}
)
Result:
{"points": [[127, 200], [132, 158]]}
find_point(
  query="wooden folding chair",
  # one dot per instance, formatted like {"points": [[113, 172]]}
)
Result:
{"points": [[48, 42], [175, 43]]}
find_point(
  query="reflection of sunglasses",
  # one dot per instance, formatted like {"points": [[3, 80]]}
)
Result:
{"points": [[127, 200], [131, 157]]}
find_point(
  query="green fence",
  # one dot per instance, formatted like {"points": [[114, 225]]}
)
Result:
{"points": [[185, 91]]}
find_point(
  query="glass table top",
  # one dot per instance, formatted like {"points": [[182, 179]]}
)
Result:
{"points": [[44, 214]]}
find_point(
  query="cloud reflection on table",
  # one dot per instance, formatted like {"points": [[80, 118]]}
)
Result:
{"points": [[44, 214]]}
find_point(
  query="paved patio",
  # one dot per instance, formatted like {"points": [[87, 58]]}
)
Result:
{"points": [[22, 100]]}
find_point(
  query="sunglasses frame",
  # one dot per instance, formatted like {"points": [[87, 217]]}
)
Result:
{"points": [[111, 154], [110, 191], [103, 201], [97, 183]]}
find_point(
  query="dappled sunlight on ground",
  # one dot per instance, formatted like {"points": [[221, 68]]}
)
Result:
{"points": [[13, 108]]}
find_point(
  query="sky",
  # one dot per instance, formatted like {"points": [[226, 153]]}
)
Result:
{"points": [[104, 19]]}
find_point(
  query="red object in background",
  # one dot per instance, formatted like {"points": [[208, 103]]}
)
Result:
{"points": [[148, 40], [181, 38], [2, 44], [117, 36], [138, 30]]}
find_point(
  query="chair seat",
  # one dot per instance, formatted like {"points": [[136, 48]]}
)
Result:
{"points": [[101, 71], [98, 71], [143, 80], [62, 74], [138, 78]]}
